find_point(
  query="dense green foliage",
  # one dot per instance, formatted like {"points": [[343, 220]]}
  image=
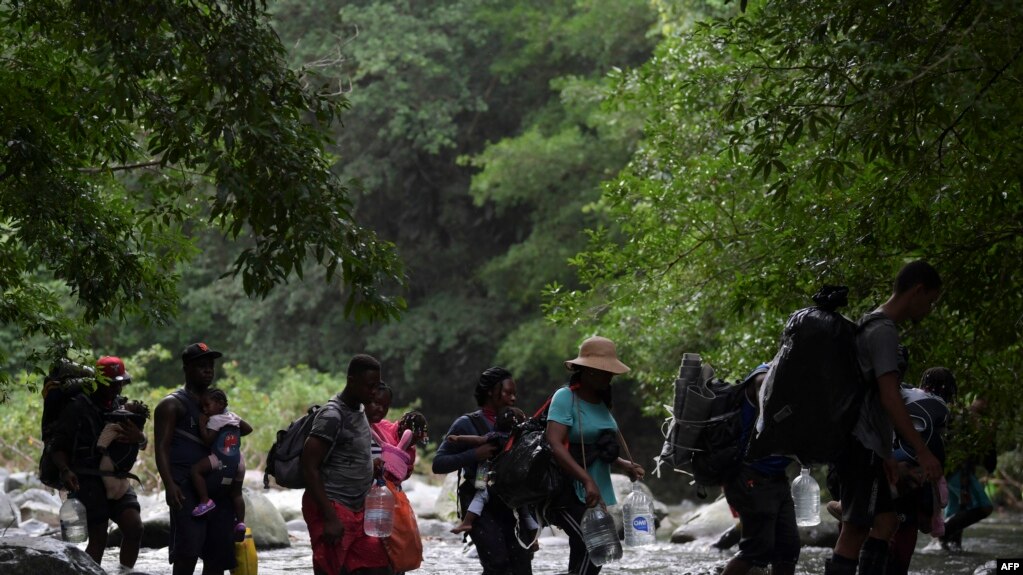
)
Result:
{"points": [[678, 176], [808, 142], [128, 128]]}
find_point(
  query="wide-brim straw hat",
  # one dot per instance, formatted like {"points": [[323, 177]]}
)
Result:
{"points": [[599, 353]]}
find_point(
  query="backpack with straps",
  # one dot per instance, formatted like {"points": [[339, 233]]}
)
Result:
{"points": [[283, 461], [811, 398]]}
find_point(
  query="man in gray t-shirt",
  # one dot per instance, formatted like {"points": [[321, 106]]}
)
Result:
{"points": [[338, 471], [866, 469], [347, 471]]}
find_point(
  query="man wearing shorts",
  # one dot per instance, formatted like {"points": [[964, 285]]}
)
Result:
{"points": [[866, 468]]}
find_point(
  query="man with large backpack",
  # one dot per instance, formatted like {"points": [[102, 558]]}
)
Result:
{"points": [[74, 452], [178, 447], [866, 468], [337, 466]]}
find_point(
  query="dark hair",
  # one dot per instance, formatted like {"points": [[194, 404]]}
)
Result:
{"points": [[361, 364], [576, 377], [386, 389], [217, 394], [941, 382], [488, 380], [415, 421], [916, 273], [508, 418]]}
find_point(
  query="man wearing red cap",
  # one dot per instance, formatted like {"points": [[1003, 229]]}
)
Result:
{"points": [[75, 453]]}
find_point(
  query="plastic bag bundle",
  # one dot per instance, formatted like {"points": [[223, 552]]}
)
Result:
{"points": [[811, 397]]}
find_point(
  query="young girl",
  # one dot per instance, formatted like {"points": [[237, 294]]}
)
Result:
{"points": [[394, 443], [222, 431]]}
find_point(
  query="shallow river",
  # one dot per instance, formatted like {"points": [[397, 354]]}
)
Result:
{"points": [[997, 537]]}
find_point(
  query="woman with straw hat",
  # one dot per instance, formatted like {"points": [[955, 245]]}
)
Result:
{"points": [[584, 440]]}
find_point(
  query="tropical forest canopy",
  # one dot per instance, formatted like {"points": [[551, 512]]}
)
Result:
{"points": [[449, 185]]}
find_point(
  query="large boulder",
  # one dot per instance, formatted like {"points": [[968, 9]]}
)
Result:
{"points": [[23, 555], [707, 521], [39, 504], [287, 501], [269, 530]]}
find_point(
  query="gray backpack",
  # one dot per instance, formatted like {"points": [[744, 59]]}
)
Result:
{"points": [[283, 461]]}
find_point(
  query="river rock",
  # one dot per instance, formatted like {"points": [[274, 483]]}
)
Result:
{"points": [[3, 478], [824, 534], [21, 480], [24, 555], [708, 521], [44, 496], [9, 513], [422, 496], [287, 501], [43, 512], [269, 530], [444, 506]]}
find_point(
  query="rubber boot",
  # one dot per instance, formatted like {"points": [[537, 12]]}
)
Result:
{"points": [[874, 557], [838, 568]]}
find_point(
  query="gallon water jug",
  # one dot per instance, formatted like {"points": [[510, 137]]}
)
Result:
{"points": [[806, 495], [601, 536], [73, 527], [638, 512], [379, 516]]}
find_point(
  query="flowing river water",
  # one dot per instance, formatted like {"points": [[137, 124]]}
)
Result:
{"points": [[1000, 536]]}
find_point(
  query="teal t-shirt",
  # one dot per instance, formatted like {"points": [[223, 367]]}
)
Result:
{"points": [[595, 418]]}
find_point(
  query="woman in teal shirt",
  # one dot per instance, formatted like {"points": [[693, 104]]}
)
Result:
{"points": [[580, 423]]}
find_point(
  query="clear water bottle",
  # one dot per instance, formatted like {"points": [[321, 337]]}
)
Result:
{"points": [[73, 527], [806, 495], [601, 536], [379, 514], [482, 474], [638, 512]]}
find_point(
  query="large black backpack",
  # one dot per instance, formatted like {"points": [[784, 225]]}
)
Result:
{"points": [[719, 452], [283, 461], [64, 382], [811, 398]]}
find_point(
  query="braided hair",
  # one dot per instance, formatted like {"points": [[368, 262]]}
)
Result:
{"points": [[488, 380]]}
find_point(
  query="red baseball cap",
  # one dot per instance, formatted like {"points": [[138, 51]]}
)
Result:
{"points": [[113, 368]]}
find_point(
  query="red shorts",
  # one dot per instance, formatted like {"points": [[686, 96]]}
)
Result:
{"points": [[356, 549]]}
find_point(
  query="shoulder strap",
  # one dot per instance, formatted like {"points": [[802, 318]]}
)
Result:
{"points": [[477, 422]]}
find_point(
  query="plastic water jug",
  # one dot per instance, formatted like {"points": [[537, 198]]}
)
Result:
{"points": [[638, 512], [601, 536], [245, 555], [379, 514], [806, 495], [73, 527]]}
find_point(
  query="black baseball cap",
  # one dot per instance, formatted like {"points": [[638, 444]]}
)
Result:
{"points": [[197, 351]]}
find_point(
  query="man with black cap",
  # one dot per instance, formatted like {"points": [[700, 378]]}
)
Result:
{"points": [[178, 446]]}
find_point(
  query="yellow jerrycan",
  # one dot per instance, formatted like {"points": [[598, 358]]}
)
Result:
{"points": [[245, 555]]}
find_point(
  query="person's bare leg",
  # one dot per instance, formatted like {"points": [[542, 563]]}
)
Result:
{"points": [[131, 536]]}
